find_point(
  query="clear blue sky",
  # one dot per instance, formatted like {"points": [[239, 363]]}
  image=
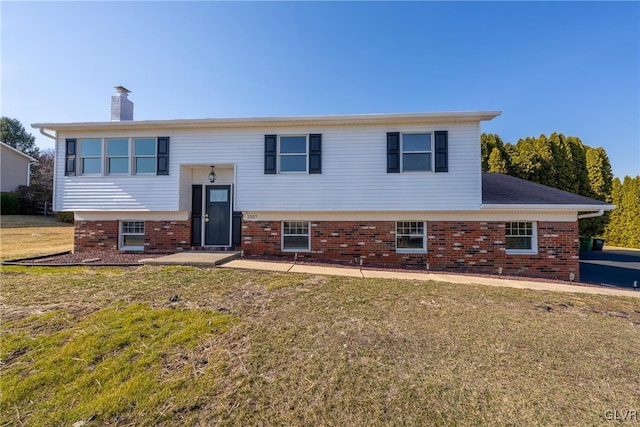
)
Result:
{"points": [[566, 67]]}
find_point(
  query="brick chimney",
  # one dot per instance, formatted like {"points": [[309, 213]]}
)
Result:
{"points": [[121, 107]]}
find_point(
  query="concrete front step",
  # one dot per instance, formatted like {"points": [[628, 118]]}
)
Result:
{"points": [[196, 258]]}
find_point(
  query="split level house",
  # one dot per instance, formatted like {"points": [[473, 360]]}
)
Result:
{"points": [[372, 189]]}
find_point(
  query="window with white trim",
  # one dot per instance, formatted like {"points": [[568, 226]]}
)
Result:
{"points": [[295, 236], [132, 235], [416, 152], [293, 152], [90, 156], [521, 238], [117, 152], [411, 237], [144, 152]]}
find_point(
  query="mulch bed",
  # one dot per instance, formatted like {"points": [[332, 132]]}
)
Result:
{"points": [[86, 258]]}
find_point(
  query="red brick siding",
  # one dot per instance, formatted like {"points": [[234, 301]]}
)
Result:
{"points": [[160, 236], [460, 246]]}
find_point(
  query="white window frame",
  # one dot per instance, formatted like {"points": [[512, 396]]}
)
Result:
{"points": [[412, 250], [403, 152], [80, 166], [105, 144], [306, 156], [307, 235], [134, 170], [122, 234], [534, 239]]}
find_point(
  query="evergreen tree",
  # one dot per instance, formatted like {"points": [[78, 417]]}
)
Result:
{"points": [[497, 162], [14, 134]]}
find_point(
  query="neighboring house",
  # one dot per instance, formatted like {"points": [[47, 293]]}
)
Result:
{"points": [[15, 168], [381, 189]]}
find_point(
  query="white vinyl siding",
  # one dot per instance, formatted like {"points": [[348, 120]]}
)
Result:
{"points": [[354, 173]]}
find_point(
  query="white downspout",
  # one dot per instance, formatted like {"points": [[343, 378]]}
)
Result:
{"points": [[47, 134], [55, 155], [592, 214]]}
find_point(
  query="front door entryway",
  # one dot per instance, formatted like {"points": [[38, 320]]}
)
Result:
{"points": [[217, 218]]}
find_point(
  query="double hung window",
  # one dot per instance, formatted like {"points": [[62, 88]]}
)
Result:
{"points": [[411, 236], [521, 238], [295, 236], [118, 156], [294, 151], [416, 152], [91, 156], [144, 150], [132, 235]]}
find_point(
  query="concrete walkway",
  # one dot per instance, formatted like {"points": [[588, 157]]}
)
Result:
{"points": [[408, 275]]}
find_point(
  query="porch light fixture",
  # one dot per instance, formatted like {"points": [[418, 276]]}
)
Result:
{"points": [[212, 175]]}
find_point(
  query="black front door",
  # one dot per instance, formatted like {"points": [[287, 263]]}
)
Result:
{"points": [[217, 219]]}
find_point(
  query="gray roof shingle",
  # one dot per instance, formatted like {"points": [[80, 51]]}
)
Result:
{"points": [[499, 189]]}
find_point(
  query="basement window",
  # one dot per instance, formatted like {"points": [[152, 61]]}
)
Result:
{"points": [[132, 235], [295, 236], [411, 237], [521, 238]]}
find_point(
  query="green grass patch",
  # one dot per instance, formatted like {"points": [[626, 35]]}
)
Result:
{"points": [[167, 346], [119, 362]]}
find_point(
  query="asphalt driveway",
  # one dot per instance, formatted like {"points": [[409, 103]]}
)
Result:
{"points": [[612, 267]]}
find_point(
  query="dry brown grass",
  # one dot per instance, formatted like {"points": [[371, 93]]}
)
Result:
{"points": [[23, 236], [312, 350]]}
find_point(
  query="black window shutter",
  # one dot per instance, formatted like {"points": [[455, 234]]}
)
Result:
{"points": [[196, 214], [442, 151], [163, 155], [270, 154], [393, 152], [236, 229], [70, 157], [315, 153]]}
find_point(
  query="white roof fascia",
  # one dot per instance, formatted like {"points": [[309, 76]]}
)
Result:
{"points": [[18, 151], [351, 119], [545, 207]]}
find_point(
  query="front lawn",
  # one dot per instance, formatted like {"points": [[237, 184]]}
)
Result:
{"points": [[191, 346], [23, 236]]}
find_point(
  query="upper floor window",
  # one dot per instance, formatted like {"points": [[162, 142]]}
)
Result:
{"points": [[90, 156], [293, 153], [416, 152], [521, 238], [144, 150], [118, 156]]}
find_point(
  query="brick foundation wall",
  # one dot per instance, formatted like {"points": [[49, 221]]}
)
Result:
{"points": [[451, 245], [160, 236]]}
